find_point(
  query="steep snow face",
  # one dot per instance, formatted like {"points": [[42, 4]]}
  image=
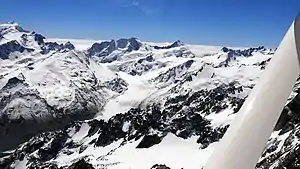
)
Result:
{"points": [[14, 38], [11, 30]]}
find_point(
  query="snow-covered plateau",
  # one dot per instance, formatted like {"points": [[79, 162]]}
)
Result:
{"points": [[128, 104]]}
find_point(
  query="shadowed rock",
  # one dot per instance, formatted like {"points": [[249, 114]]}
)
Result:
{"points": [[12, 46], [177, 43]]}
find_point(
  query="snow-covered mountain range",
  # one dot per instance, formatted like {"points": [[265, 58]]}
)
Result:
{"points": [[126, 103]]}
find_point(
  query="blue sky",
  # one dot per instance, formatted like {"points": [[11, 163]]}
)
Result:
{"points": [[213, 22]]}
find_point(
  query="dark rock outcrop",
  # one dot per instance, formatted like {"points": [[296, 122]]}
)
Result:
{"points": [[246, 52], [131, 44], [174, 74], [81, 164], [54, 46], [232, 54], [177, 43], [39, 38], [149, 141], [160, 166], [104, 49], [117, 85], [12, 46]]}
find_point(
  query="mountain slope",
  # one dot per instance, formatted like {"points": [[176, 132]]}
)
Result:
{"points": [[57, 75]]}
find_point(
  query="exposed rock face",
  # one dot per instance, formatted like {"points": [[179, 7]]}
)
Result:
{"points": [[53, 46], [117, 85], [282, 151], [234, 54], [37, 37], [102, 49], [174, 74], [246, 52], [12, 46], [112, 50], [14, 114], [131, 44], [160, 166], [177, 43], [81, 164]]}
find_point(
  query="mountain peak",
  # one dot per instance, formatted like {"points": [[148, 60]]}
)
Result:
{"points": [[104, 49], [178, 43], [10, 26]]}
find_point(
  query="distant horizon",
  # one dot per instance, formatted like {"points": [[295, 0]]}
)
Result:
{"points": [[214, 23], [159, 42]]}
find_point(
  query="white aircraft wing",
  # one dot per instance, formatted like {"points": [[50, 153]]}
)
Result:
{"points": [[245, 139]]}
